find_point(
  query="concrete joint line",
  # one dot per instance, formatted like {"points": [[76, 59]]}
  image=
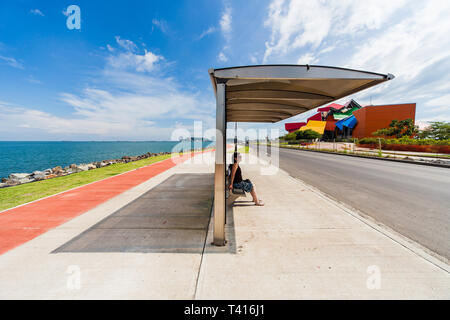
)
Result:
{"points": [[203, 252]]}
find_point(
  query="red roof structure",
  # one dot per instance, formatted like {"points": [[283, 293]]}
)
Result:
{"points": [[324, 109], [291, 127], [316, 117]]}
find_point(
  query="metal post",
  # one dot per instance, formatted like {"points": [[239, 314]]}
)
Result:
{"points": [[379, 146], [235, 137], [219, 174]]}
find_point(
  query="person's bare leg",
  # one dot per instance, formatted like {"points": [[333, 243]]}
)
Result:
{"points": [[255, 197]]}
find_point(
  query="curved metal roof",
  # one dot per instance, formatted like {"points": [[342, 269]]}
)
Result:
{"points": [[271, 93]]}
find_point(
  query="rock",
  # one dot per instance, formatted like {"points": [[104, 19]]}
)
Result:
{"points": [[50, 176], [26, 180], [73, 166], [11, 183], [57, 170], [39, 175], [91, 166], [18, 176], [83, 167], [3, 185], [4, 180]]}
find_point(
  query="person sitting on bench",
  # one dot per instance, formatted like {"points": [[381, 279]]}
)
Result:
{"points": [[237, 182]]}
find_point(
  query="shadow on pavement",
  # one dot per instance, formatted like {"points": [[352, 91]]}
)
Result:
{"points": [[172, 217]]}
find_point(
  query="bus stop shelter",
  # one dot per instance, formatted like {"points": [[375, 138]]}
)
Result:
{"points": [[271, 93]]}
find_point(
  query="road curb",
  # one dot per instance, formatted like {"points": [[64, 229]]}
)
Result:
{"points": [[376, 158]]}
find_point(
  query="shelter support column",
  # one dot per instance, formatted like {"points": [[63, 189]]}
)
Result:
{"points": [[220, 164]]}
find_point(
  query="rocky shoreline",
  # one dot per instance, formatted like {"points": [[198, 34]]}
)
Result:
{"points": [[15, 179]]}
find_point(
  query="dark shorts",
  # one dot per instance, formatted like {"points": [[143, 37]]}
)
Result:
{"points": [[245, 185]]}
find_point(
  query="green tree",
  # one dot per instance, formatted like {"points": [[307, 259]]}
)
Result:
{"points": [[398, 128], [289, 137], [307, 134], [436, 130]]}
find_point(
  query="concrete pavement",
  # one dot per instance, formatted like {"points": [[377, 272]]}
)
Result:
{"points": [[411, 199], [299, 245], [302, 246]]}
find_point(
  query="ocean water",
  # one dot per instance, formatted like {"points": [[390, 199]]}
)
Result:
{"points": [[29, 156]]}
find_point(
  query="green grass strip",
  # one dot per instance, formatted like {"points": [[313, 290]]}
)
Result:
{"points": [[240, 150], [17, 195]]}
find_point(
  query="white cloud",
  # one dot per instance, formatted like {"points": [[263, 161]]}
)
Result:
{"points": [[222, 57], [131, 60], [125, 104], [137, 62], [12, 62], [416, 50], [208, 31], [19, 117], [128, 106], [409, 46], [36, 12], [408, 39], [307, 58], [225, 21], [327, 49], [297, 23], [440, 104], [226, 28], [161, 25], [126, 44], [253, 59]]}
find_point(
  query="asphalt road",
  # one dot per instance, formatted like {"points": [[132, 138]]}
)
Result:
{"points": [[412, 199]]}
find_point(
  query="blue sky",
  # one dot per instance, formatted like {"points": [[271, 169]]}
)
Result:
{"points": [[136, 70]]}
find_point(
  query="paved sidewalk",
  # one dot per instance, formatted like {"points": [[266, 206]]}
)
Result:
{"points": [[302, 246], [299, 246]]}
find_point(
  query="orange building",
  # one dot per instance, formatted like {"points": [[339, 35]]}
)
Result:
{"points": [[372, 118]]}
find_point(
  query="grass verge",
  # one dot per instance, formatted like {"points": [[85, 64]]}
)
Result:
{"points": [[241, 149], [17, 195]]}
